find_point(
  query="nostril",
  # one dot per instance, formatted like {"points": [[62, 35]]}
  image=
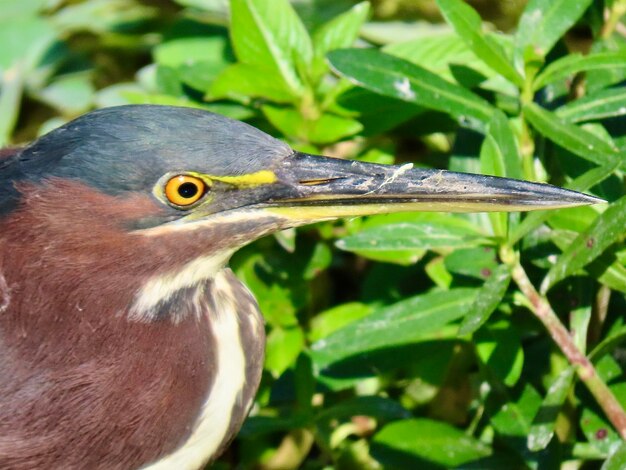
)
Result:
{"points": [[318, 181]]}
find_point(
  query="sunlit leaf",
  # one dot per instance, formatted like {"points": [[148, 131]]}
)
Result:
{"points": [[492, 163], [474, 262], [468, 25], [500, 349], [597, 429], [605, 268], [571, 137], [574, 63], [337, 317], [426, 440], [240, 82], [403, 80], [270, 36], [340, 32], [544, 423], [600, 105], [282, 348], [324, 129], [504, 137], [617, 459], [403, 236], [410, 320], [607, 229], [545, 21], [439, 53], [517, 414]]}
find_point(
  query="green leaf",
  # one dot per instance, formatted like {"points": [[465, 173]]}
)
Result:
{"points": [[71, 94], [596, 428], [24, 40], [606, 269], [599, 79], [404, 236], [426, 440], [468, 25], [326, 128], [437, 272], [473, 262], [12, 87], [338, 33], [617, 459], [333, 319], [240, 82], [609, 343], [439, 53], [571, 137], [16, 8], [514, 417], [181, 51], [544, 423], [198, 60], [440, 222], [403, 80], [607, 229], [270, 36], [501, 131], [111, 15], [408, 321], [282, 349], [544, 22], [500, 350], [374, 406], [492, 163], [572, 64], [487, 300], [600, 105]]}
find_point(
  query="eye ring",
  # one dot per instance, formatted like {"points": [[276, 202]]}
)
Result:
{"points": [[184, 190]]}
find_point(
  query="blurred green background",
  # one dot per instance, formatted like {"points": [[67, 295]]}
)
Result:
{"points": [[403, 341]]}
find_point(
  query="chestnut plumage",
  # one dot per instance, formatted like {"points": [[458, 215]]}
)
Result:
{"points": [[125, 341]]}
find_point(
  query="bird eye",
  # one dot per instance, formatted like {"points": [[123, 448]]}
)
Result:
{"points": [[184, 190]]}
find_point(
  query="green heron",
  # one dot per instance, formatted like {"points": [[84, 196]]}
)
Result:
{"points": [[125, 341]]}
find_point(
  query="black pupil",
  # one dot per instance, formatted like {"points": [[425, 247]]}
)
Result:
{"points": [[188, 190]]}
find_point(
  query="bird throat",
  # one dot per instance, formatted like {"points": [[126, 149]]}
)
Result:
{"points": [[177, 294]]}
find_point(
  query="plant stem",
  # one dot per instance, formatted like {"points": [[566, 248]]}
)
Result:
{"points": [[527, 143], [612, 18], [584, 368]]}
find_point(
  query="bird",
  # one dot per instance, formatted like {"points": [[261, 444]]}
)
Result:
{"points": [[125, 340]]}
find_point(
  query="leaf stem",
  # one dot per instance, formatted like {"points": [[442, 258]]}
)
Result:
{"points": [[584, 367]]}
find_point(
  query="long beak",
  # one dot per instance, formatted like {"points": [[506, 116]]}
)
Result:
{"points": [[319, 188]]}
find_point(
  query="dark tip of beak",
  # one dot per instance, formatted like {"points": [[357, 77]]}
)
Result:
{"points": [[323, 181]]}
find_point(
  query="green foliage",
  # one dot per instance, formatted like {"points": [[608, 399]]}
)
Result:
{"points": [[401, 341]]}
